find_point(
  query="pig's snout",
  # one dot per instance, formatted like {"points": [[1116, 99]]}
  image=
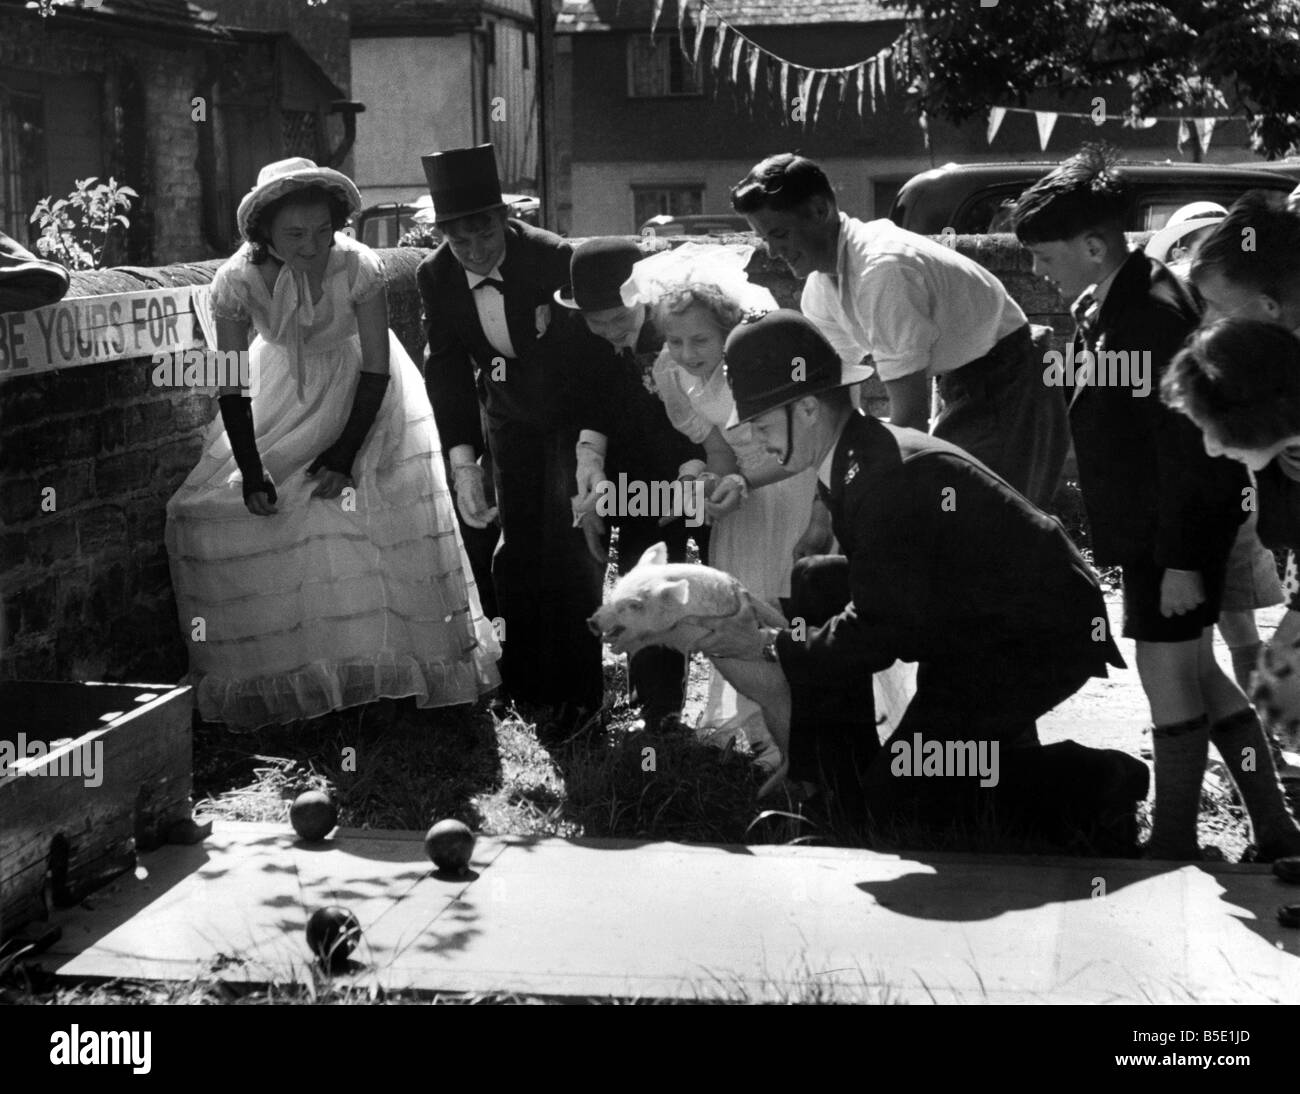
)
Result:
{"points": [[593, 625]]}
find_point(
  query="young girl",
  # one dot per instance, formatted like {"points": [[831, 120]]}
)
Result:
{"points": [[314, 552], [698, 294]]}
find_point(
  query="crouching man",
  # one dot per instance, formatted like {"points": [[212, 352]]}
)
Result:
{"points": [[945, 565]]}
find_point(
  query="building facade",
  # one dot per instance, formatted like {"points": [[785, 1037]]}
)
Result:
{"points": [[440, 74], [181, 102]]}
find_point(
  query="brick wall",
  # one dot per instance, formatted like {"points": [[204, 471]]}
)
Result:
{"points": [[85, 589]]}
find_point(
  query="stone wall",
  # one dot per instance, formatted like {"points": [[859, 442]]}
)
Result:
{"points": [[84, 584]]}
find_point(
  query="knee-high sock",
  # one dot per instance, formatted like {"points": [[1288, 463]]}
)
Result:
{"points": [[1181, 750], [1242, 743]]}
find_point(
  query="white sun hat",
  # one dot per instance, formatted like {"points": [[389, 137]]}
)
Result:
{"points": [[1183, 222], [283, 177]]}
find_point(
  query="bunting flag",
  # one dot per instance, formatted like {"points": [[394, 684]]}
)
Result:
{"points": [[996, 114], [1183, 133], [1204, 131], [1046, 123]]}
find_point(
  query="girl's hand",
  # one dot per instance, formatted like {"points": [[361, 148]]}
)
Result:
{"points": [[730, 491], [260, 504], [331, 483]]}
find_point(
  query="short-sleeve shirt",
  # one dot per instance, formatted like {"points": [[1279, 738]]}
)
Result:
{"points": [[910, 303], [285, 313]]}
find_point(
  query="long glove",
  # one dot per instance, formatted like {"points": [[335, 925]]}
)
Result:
{"points": [[365, 406], [237, 417]]}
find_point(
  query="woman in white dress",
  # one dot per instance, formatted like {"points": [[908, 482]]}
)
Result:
{"points": [[314, 552], [698, 293]]}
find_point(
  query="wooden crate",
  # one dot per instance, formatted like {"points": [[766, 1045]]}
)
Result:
{"points": [[59, 836]]}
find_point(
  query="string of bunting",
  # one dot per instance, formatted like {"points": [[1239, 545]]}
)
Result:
{"points": [[734, 52], [1046, 119]]}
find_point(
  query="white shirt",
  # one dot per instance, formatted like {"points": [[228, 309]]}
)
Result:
{"points": [[909, 302], [491, 305]]}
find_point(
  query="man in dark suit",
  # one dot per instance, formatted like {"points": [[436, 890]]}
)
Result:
{"points": [[502, 361], [1158, 504], [626, 432], [943, 564]]}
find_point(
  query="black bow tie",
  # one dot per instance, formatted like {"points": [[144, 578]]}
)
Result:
{"points": [[495, 282]]}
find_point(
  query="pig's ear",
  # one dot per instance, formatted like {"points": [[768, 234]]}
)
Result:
{"points": [[655, 556], [679, 591]]}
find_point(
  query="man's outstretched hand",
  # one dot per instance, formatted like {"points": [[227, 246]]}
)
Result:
{"points": [[741, 636]]}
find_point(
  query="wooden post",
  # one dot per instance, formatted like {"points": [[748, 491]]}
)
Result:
{"points": [[544, 12]]}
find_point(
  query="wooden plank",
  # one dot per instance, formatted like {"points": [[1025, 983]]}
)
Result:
{"points": [[87, 806]]}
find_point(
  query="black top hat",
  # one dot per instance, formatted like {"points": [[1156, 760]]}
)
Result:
{"points": [[597, 271], [779, 358], [462, 182]]}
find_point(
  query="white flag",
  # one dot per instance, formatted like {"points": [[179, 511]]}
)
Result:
{"points": [[1046, 120], [996, 114], [1204, 130]]}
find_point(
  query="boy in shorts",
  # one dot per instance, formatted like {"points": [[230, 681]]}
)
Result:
{"points": [[1158, 504]]}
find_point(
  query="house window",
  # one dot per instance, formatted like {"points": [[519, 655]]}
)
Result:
{"points": [[49, 138], [22, 159], [673, 201], [656, 66]]}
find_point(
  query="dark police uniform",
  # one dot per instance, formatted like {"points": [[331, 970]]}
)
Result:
{"points": [[948, 566]]}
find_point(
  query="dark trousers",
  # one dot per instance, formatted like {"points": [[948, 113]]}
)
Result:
{"points": [[990, 695], [481, 543], [1000, 411], [656, 676], [546, 582]]}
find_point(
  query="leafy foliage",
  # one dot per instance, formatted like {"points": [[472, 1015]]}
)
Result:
{"points": [[1204, 57], [76, 230]]}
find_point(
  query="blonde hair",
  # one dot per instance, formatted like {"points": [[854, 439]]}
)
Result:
{"points": [[721, 307]]}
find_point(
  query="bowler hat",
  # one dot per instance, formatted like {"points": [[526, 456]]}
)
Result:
{"points": [[597, 271], [778, 358], [462, 182]]}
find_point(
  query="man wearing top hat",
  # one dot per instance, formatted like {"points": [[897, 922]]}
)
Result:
{"points": [[943, 564], [626, 432], [498, 348]]}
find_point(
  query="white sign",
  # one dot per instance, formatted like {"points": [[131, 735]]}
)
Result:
{"points": [[96, 329]]}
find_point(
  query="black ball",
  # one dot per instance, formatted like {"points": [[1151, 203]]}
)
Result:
{"points": [[313, 815], [450, 844], [332, 934]]}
